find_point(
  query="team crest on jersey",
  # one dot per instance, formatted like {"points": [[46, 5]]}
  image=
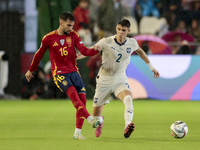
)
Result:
{"points": [[69, 41], [64, 82], [62, 41], [128, 50]]}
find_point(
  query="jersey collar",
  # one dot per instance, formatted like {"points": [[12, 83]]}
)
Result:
{"points": [[119, 43]]}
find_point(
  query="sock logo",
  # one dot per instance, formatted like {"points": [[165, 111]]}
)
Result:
{"points": [[80, 107], [75, 103], [130, 112]]}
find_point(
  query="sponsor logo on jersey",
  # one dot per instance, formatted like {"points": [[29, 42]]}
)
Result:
{"points": [[62, 41], [113, 48], [69, 41], [55, 44], [64, 82], [81, 42], [128, 50]]}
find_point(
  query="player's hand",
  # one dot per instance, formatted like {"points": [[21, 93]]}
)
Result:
{"points": [[29, 75], [97, 48], [156, 73]]}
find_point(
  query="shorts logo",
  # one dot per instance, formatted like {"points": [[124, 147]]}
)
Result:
{"points": [[95, 100], [83, 89], [64, 82], [127, 85], [128, 50]]}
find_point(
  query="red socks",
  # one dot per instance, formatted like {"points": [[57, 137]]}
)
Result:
{"points": [[79, 102], [79, 117]]}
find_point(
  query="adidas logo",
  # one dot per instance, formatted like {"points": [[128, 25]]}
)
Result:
{"points": [[55, 44], [83, 89]]}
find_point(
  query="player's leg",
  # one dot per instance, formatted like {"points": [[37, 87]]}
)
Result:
{"points": [[65, 84], [79, 118], [101, 97], [126, 97], [97, 114]]}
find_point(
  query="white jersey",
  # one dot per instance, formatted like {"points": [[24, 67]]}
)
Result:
{"points": [[115, 56]]}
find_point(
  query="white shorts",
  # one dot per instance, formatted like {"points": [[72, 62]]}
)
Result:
{"points": [[105, 86]]}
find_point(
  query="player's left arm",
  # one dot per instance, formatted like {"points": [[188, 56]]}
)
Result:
{"points": [[144, 57], [83, 49], [81, 56]]}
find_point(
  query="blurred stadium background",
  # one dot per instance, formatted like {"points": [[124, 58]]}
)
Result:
{"points": [[166, 38]]}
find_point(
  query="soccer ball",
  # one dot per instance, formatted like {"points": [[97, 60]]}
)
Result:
{"points": [[179, 129]]}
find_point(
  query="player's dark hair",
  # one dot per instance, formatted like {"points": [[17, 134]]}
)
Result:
{"points": [[124, 23], [67, 15]]}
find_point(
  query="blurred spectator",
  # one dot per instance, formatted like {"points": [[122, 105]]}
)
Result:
{"points": [[177, 39], [194, 30], [93, 22], [81, 14], [194, 10], [93, 63], [181, 26], [129, 6], [36, 87], [149, 8], [145, 47], [170, 9], [184, 49], [110, 12], [169, 6]]}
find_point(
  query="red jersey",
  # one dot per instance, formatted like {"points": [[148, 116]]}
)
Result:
{"points": [[62, 52], [81, 15]]}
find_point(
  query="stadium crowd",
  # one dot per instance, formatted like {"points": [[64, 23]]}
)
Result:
{"points": [[177, 22]]}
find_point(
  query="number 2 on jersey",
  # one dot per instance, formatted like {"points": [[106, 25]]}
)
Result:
{"points": [[120, 56]]}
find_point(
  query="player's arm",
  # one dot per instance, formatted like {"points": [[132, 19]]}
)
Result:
{"points": [[81, 56], [36, 60], [144, 57], [83, 49]]}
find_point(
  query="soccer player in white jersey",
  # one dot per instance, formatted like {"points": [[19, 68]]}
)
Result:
{"points": [[116, 53]]}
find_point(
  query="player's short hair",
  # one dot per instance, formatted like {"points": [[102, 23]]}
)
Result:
{"points": [[124, 23], [67, 15]]}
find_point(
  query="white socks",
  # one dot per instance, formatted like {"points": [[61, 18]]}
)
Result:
{"points": [[89, 119], [77, 130], [128, 113], [100, 118]]}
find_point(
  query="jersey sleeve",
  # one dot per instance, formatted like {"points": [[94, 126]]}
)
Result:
{"points": [[82, 48], [101, 42], [135, 45], [38, 55]]}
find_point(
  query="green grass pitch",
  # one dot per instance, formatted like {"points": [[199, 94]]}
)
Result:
{"points": [[49, 125]]}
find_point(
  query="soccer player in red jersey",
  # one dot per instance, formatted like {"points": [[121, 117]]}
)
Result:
{"points": [[61, 44]]}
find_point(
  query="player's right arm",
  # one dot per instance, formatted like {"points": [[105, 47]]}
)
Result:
{"points": [[36, 59], [144, 57]]}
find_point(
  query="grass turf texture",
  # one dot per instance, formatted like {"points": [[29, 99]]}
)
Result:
{"points": [[49, 125]]}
